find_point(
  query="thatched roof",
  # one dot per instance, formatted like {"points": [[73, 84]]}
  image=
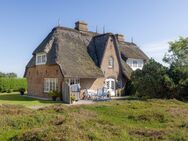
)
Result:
{"points": [[68, 48], [126, 69], [131, 50], [97, 47], [79, 54]]}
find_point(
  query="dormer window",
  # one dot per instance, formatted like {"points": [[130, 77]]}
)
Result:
{"points": [[111, 62], [135, 63], [41, 58]]}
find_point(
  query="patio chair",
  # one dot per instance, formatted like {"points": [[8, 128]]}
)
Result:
{"points": [[90, 94], [102, 94]]}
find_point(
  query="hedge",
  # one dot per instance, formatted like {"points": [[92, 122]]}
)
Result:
{"points": [[12, 84]]}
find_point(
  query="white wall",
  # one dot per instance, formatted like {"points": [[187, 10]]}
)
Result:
{"points": [[139, 63]]}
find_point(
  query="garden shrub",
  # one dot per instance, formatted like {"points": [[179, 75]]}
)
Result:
{"points": [[12, 84], [152, 81]]}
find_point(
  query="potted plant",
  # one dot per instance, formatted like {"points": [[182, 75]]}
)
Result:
{"points": [[73, 98], [22, 91], [54, 95]]}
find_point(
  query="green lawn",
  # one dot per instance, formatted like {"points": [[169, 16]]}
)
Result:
{"points": [[16, 98], [123, 120]]}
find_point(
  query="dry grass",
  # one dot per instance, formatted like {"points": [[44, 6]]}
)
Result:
{"points": [[115, 120]]}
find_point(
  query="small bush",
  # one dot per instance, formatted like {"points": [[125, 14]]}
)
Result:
{"points": [[54, 94], [151, 134], [148, 117], [9, 91], [22, 91], [31, 135], [73, 98]]}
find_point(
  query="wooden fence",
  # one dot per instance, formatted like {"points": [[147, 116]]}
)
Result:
{"points": [[68, 91]]}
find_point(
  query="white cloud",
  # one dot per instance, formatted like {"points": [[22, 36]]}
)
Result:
{"points": [[156, 50]]}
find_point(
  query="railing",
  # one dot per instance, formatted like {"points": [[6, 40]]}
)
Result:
{"points": [[70, 90], [75, 91]]}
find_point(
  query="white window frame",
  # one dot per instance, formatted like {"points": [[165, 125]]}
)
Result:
{"points": [[50, 84], [139, 65], [110, 62], [41, 58], [72, 81]]}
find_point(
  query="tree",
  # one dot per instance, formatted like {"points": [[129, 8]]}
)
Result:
{"points": [[152, 81], [177, 58], [2, 74], [9, 75], [178, 53], [157, 81]]}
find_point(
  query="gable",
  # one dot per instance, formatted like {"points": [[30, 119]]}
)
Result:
{"points": [[110, 52]]}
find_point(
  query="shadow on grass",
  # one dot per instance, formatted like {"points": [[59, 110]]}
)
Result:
{"points": [[185, 101], [18, 98]]}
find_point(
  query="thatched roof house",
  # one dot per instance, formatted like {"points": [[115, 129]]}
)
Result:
{"points": [[88, 58]]}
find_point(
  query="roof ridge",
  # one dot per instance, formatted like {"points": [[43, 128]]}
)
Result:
{"points": [[103, 34], [72, 29]]}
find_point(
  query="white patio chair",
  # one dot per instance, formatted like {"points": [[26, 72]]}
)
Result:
{"points": [[90, 94]]}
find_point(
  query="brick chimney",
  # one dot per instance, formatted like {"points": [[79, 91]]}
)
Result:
{"points": [[81, 26], [120, 37]]}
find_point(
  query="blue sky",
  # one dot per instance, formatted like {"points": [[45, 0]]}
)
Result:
{"points": [[151, 23]]}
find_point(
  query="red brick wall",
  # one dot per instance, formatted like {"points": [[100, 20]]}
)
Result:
{"points": [[35, 78], [114, 72]]}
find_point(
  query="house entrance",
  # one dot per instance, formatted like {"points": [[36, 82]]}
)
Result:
{"points": [[110, 85]]}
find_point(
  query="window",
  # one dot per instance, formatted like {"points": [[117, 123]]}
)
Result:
{"points": [[113, 85], [41, 59], [139, 64], [108, 84], [71, 81], [74, 81], [134, 63], [110, 62], [50, 84]]}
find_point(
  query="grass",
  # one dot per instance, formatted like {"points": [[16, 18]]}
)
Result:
{"points": [[15, 98], [124, 120]]}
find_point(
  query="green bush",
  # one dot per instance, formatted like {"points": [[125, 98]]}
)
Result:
{"points": [[130, 88], [54, 94], [9, 91], [152, 81], [157, 81], [180, 77], [12, 84]]}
